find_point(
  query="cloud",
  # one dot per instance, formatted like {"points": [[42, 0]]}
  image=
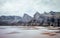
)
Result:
{"points": [[19, 7]]}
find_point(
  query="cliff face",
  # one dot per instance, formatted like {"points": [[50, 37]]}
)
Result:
{"points": [[26, 18]]}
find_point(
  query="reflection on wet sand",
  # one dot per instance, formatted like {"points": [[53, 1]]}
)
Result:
{"points": [[28, 32]]}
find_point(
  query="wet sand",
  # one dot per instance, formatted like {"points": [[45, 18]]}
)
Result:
{"points": [[27, 32]]}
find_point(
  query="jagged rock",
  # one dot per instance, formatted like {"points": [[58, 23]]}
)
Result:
{"points": [[26, 18]]}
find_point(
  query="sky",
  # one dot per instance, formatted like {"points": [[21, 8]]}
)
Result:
{"points": [[30, 7]]}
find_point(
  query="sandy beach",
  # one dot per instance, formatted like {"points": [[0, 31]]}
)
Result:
{"points": [[27, 32]]}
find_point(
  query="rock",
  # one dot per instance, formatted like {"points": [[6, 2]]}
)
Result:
{"points": [[49, 33]]}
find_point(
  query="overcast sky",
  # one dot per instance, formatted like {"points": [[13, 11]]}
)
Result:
{"points": [[19, 7]]}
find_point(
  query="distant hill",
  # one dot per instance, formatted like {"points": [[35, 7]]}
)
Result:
{"points": [[26, 18]]}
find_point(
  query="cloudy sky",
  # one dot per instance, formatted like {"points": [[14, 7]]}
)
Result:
{"points": [[19, 7]]}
